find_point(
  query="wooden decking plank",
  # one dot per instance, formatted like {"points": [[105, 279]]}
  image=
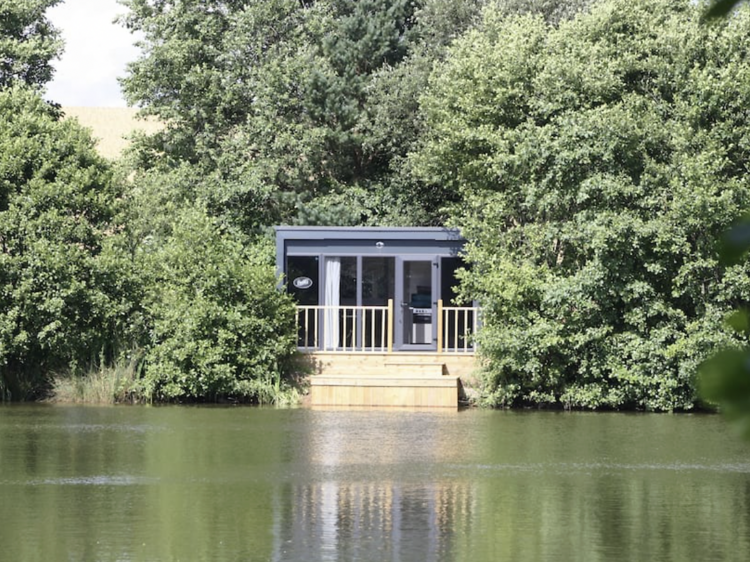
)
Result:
{"points": [[342, 380]]}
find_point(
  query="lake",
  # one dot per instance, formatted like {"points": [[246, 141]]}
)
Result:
{"points": [[240, 483]]}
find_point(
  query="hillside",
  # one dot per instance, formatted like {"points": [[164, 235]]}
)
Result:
{"points": [[111, 126]]}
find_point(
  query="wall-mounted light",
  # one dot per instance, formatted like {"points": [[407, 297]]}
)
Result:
{"points": [[379, 245]]}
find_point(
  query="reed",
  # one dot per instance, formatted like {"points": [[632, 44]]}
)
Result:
{"points": [[105, 384]]}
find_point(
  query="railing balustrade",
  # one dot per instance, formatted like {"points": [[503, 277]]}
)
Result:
{"points": [[345, 328], [457, 326], [348, 329]]}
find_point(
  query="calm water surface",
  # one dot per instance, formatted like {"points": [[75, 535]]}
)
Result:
{"points": [[226, 484]]}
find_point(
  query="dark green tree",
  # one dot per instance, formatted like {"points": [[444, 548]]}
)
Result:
{"points": [[265, 95], [62, 299], [597, 163], [298, 111]]}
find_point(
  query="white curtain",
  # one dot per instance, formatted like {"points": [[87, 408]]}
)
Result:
{"points": [[332, 298]]}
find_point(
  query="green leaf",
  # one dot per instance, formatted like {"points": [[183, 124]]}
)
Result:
{"points": [[724, 380]]}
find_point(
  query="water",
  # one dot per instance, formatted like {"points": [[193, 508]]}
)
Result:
{"points": [[236, 484]]}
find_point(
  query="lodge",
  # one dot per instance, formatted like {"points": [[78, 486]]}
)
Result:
{"points": [[377, 309]]}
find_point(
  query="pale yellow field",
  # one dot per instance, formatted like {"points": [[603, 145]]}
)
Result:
{"points": [[111, 126]]}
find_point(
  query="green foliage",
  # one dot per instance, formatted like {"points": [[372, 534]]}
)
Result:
{"points": [[263, 94], [553, 11], [61, 303], [289, 106], [597, 161], [220, 328], [216, 327], [724, 378], [27, 42], [300, 112]]}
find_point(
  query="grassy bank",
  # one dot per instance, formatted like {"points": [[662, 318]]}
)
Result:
{"points": [[122, 384]]}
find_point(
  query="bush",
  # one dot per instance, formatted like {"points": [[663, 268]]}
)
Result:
{"points": [[219, 328]]}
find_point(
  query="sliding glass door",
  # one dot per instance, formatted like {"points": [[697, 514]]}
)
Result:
{"points": [[416, 307]]}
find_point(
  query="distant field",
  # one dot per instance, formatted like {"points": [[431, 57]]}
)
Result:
{"points": [[111, 126]]}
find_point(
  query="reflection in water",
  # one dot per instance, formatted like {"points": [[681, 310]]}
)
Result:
{"points": [[382, 521], [164, 484], [385, 502]]}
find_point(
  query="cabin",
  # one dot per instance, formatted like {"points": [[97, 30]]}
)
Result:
{"points": [[378, 320]]}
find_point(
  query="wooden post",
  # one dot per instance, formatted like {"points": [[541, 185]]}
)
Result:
{"points": [[390, 325], [440, 327]]}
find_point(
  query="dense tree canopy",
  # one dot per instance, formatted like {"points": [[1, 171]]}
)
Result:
{"points": [[598, 162], [28, 42], [298, 111], [266, 96]]}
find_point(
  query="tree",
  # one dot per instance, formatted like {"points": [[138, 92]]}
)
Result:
{"points": [[62, 300], [215, 325], [597, 163], [28, 42], [267, 95]]}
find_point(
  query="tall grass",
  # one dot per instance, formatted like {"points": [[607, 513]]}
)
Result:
{"points": [[104, 384]]}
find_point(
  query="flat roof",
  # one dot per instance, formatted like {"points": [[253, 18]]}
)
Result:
{"points": [[368, 232]]}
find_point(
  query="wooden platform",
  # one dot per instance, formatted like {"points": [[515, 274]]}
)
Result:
{"points": [[405, 380]]}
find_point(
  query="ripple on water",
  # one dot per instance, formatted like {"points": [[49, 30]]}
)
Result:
{"points": [[91, 480]]}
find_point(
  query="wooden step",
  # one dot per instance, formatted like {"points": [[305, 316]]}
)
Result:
{"points": [[401, 363], [383, 381], [408, 368], [384, 391]]}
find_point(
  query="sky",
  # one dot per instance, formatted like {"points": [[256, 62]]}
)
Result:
{"points": [[96, 52]]}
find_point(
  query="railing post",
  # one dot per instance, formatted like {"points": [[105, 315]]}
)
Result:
{"points": [[466, 330], [439, 326], [390, 325]]}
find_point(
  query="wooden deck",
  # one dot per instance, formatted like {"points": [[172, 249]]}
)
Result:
{"points": [[401, 380]]}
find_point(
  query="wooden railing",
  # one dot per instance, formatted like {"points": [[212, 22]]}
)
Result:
{"points": [[457, 326], [347, 329]]}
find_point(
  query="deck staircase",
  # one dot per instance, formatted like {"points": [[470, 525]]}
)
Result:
{"points": [[406, 380]]}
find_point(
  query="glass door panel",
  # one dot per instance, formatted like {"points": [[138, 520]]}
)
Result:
{"points": [[377, 286], [417, 318]]}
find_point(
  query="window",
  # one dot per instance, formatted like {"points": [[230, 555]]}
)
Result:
{"points": [[303, 284]]}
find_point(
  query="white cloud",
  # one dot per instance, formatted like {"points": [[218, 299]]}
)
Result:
{"points": [[96, 52]]}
